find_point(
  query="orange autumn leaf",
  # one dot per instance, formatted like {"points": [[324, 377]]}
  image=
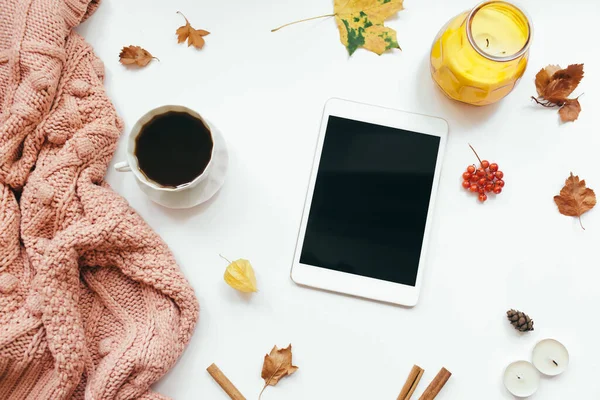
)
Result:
{"points": [[135, 55], [554, 85], [570, 110], [277, 365], [574, 198], [557, 84], [194, 36], [543, 78]]}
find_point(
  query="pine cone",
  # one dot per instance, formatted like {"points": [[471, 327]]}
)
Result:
{"points": [[520, 320]]}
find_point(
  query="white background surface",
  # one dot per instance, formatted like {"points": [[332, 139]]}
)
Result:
{"points": [[266, 91]]}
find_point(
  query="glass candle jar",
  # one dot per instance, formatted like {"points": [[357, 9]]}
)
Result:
{"points": [[479, 56]]}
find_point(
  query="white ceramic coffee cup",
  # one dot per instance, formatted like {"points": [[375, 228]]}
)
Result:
{"points": [[131, 165]]}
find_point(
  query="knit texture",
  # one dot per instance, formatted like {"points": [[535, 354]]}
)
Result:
{"points": [[92, 303]]}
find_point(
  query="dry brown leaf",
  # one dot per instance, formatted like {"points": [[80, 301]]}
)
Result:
{"points": [[552, 69], [135, 55], [193, 36], [542, 79], [562, 83], [570, 110], [277, 365], [574, 198], [554, 85]]}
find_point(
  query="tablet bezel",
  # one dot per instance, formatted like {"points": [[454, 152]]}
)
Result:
{"points": [[356, 285]]}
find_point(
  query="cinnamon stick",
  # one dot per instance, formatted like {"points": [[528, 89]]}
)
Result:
{"points": [[436, 385], [225, 383], [411, 383]]}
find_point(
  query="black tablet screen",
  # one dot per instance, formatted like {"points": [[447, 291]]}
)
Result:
{"points": [[370, 201]]}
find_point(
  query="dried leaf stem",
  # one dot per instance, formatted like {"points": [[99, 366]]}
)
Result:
{"points": [[476, 155], [544, 103], [269, 380], [549, 104], [302, 20]]}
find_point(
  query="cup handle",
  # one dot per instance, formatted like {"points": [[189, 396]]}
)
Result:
{"points": [[122, 166]]}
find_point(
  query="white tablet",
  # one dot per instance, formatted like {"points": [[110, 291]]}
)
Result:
{"points": [[370, 202]]}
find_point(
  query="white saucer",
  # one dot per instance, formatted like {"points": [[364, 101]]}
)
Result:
{"points": [[205, 190]]}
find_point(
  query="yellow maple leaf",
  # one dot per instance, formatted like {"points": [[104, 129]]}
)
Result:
{"points": [[360, 23]]}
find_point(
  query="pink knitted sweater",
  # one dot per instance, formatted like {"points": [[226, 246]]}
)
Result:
{"points": [[92, 303]]}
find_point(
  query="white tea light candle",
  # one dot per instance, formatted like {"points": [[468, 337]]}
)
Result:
{"points": [[550, 357], [521, 379]]}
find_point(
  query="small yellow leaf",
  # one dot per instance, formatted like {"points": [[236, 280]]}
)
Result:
{"points": [[240, 276]]}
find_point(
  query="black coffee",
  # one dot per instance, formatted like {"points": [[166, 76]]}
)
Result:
{"points": [[173, 148]]}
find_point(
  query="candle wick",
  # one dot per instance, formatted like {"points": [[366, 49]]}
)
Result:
{"points": [[518, 377], [555, 363], [487, 42]]}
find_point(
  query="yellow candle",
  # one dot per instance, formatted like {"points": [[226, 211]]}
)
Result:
{"points": [[479, 56]]}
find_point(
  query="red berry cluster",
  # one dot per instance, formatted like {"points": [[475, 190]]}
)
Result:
{"points": [[487, 178]]}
